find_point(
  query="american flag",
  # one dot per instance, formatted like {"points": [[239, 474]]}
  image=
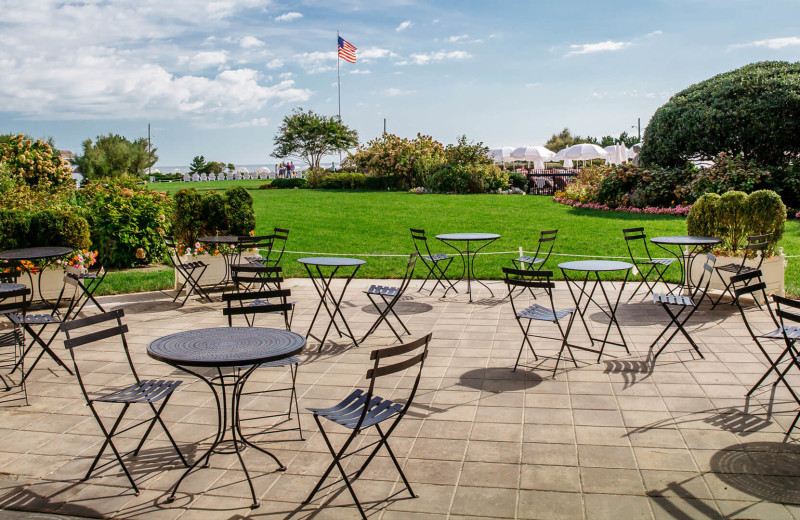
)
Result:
{"points": [[347, 51]]}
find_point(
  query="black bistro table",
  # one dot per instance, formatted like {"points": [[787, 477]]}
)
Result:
{"points": [[228, 253], [239, 349], [327, 299], [686, 256], [30, 254], [468, 255], [578, 289]]}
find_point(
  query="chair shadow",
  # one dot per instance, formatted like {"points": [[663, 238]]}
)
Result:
{"points": [[403, 307], [760, 469], [630, 370], [26, 498], [733, 420], [499, 379]]}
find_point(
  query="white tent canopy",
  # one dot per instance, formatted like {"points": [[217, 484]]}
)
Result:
{"points": [[502, 154], [537, 154], [617, 154], [584, 152]]}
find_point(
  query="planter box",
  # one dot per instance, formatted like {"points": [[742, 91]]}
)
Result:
{"points": [[772, 272], [52, 280], [213, 274]]}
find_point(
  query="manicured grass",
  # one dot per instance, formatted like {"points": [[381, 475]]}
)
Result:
{"points": [[137, 280], [378, 223], [176, 186]]}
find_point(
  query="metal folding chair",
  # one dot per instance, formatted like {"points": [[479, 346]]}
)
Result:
{"points": [[262, 243], [644, 261], [14, 301], [687, 304], [148, 391], [390, 296], [280, 237], [530, 280], [547, 240], [258, 302], [187, 271], [361, 410], [756, 246], [751, 285], [431, 261], [87, 284], [37, 324], [788, 312]]}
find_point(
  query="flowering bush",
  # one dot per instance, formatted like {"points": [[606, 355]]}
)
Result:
{"points": [[392, 155], [35, 161], [125, 220], [79, 258], [650, 210]]}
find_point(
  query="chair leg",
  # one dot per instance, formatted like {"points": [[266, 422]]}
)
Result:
{"points": [[525, 339], [110, 443], [293, 369]]}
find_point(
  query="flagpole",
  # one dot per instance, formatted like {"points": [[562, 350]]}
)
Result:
{"points": [[339, 82]]}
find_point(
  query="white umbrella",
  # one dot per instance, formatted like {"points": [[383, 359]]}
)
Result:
{"points": [[503, 154], [617, 154], [634, 150], [568, 163], [537, 154], [584, 152]]}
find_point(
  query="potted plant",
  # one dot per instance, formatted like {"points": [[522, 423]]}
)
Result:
{"points": [[733, 217]]}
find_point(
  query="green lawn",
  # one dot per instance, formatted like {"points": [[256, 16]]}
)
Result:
{"points": [[378, 223]]}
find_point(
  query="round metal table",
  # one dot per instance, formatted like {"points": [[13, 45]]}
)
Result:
{"points": [[322, 283], [467, 260], [241, 348], [50, 254], [686, 256], [595, 267], [227, 253]]}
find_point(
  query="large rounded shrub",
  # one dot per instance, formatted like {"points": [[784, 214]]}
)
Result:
{"points": [[239, 211], [754, 110], [702, 218]]}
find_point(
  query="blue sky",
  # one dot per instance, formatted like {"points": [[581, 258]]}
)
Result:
{"points": [[215, 78]]}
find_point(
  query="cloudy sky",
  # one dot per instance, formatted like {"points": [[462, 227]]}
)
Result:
{"points": [[216, 77]]}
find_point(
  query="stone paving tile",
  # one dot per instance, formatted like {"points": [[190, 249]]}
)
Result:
{"points": [[616, 439]]}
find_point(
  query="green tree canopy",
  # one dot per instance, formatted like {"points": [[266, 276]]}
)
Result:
{"points": [[753, 111], [113, 156], [565, 139], [307, 136], [198, 165]]}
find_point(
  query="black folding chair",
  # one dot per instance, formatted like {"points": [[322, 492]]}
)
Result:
{"points": [[644, 261], [258, 302], [544, 247], [751, 285], [262, 243], [390, 296], [87, 284], [788, 312], [148, 391], [361, 410], [187, 271], [687, 304], [756, 247], [280, 237], [431, 261], [530, 279], [14, 302], [37, 324]]}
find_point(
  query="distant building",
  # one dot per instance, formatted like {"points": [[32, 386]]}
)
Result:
{"points": [[67, 157]]}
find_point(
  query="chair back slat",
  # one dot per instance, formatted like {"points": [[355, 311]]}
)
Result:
{"points": [[255, 295], [786, 315], [399, 350], [257, 309], [16, 305], [632, 236], [256, 279], [92, 320], [749, 289], [91, 337], [786, 302], [385, 370], [248, 268]]}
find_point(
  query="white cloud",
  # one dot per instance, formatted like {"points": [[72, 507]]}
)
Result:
{"points": [[404, 25], [248, 42], [654, 33], [588, 48], [531, 85], [286, 75], [396, 92], [433, 57], [435, 20], [374, 53], [360, 71], [275, 63], [204, 60], [773, 43], [288, 17], [317, 61], [458, 38], [258, 121]]}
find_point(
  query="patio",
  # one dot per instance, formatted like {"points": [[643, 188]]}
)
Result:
{"points": [[606, 440]]}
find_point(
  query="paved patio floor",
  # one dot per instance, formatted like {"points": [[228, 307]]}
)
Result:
{"points": [[616, 439]]}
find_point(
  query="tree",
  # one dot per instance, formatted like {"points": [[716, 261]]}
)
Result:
{"points": [[467, 153], [36, 162], [565, 139], [113, 156], [753, 111], [307, 136], [198, 165], [624, 138], [231, 166], [214, 167]]}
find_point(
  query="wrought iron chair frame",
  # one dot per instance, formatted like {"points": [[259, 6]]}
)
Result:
{"points": [[659, 265], [431, 262], [545, 237], [755, 243], [187, 272], [390, 296], [143, 391], [360, 410], [17, 335]]}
